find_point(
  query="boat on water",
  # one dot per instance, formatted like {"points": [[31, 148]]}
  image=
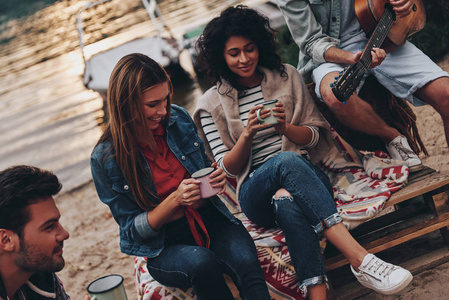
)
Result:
{"points": [[165, 50], [98, 67]]}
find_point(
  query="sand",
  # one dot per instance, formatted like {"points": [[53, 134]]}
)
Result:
{"points": [[93, 247]]}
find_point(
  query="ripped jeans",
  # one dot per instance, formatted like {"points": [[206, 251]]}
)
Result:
{"points": [[302, 217]]}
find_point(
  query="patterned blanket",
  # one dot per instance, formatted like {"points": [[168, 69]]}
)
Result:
{"points": [[271, 249], [362, 183]]}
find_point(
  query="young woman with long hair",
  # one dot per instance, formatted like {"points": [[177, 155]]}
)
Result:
{"points": [[141, 168]]}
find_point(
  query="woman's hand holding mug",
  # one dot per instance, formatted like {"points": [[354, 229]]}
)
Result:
{"points": [[212, 181], [279, 113], [188, 192], [218, 178], [266, 114], [253, 126]]}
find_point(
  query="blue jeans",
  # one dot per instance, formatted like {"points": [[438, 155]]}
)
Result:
{"points": [[302, 217], [232, 251]]}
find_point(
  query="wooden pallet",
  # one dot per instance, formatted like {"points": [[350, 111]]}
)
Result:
{"points": [[419, 208]]}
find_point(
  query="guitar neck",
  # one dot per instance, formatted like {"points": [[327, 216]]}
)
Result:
{"points": [[348, 80], [379, 34]]}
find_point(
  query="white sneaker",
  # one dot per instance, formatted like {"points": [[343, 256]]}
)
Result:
{"points": [[400, 149], [382, 277]]}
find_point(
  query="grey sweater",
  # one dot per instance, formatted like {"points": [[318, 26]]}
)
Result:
{"points": [[221, 101]]}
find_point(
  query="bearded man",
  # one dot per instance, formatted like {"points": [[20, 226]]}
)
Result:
{"points": [[31, 237]]}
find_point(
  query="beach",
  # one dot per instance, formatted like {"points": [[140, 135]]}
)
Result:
{"points": [[50, 120]]}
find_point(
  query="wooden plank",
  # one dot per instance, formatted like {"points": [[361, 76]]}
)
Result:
{"points": [[424, 185], [437, 200], [394, 227], [445, 234], [441, 202], [412, 213], [415, 176], [408, 234], [394, 239], [406, 216]]}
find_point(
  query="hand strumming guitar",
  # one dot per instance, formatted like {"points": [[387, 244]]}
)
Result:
{"points": [[402, 8]]}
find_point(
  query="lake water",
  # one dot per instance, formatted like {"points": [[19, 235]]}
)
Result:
{"points": [[47, 117]]}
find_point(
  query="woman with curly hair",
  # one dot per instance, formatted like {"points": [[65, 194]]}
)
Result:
{"points": [[142, 168], [276, 182]]}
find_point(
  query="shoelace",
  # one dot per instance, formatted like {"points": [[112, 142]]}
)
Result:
{"points": [[403, 152], [380, 267]]}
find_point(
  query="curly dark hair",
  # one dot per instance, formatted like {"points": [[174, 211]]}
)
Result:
{"points": [[21, 186], [236, 21]]}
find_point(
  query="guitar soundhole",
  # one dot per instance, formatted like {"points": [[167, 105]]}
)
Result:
{"points": [[414, 8]]}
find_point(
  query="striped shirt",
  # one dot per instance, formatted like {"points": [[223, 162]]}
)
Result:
{"points": [[267, 141]]}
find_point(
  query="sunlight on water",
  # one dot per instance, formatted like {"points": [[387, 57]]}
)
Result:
{"points": [[47, 117]]}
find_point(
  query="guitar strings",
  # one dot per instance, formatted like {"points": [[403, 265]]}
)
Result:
{"points": [[379, 36], [357, 70], [380, 33]]}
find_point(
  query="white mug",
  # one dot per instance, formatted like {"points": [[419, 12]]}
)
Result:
{"points": [[109, 287]]}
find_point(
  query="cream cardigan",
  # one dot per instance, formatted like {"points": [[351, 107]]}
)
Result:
{"points": [[221, 101]]}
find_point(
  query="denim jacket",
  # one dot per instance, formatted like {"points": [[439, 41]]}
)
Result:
{"points": [[315, 27], [136, 235]]}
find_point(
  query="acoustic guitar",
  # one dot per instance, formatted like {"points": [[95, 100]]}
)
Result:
{"points": [[378, 20]]}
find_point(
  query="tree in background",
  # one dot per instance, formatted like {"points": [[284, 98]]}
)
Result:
{"points": [[434, 38]]}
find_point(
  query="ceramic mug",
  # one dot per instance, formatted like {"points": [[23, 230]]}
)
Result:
{"points": [[109, 287], [271, 119], [206, 189]]}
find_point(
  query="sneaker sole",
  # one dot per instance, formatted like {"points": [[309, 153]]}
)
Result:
{"points": [[402, 286], [397, 289]]}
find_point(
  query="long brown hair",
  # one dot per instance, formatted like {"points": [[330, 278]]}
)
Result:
{"points": [[127, 125]]}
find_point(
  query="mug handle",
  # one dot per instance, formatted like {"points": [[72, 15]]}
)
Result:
{"points": [[258, 115]]}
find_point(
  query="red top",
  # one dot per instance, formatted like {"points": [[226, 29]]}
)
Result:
{"points": [[168, 173]]}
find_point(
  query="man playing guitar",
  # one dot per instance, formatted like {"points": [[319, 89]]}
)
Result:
{"points": [[330, 38]]}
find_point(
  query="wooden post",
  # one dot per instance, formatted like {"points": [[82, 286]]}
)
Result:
{"points": [[438, 203]]}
